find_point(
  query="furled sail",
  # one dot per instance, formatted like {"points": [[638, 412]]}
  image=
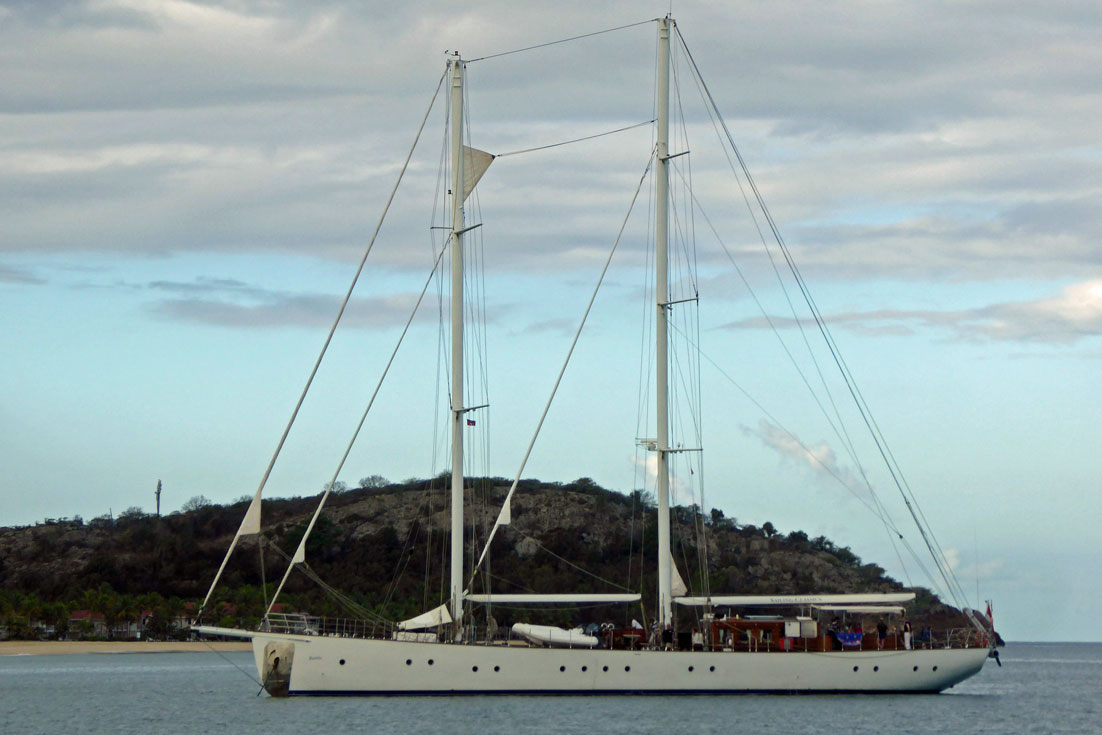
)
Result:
{"points": [[475, 163], [677, 585], [431, 619]]}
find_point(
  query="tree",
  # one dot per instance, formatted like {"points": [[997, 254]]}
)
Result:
{"points": [[768, 529], [195, 503], [133, 513], [373, 482]]}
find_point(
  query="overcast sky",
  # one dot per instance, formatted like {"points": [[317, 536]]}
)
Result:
{"points": [[186, 188]]}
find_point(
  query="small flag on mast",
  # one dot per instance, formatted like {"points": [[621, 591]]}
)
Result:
{"points": [[470, 422]]}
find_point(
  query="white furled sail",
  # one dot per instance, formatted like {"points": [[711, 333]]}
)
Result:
{"points": [[677, 585], [475, 164], [431, 619], [505, 517], [797, 600], [864, 609], [563, 599]]}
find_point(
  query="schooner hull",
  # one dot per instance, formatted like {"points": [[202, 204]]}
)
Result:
{"points": [[326, 666]]}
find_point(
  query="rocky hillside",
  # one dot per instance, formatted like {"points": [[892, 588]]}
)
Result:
{"points": [[385, 548]]}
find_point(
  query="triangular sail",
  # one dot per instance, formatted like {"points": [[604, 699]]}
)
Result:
{"points": [[250, 524], [475, 163]]}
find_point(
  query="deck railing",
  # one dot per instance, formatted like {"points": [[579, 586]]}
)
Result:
{"points": [[302, 624]]}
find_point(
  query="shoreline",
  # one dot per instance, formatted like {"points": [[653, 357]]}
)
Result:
{"points": [[58, 648]]}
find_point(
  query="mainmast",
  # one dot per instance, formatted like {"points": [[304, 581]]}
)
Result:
{"points": [[457, 411], [661, 267]]}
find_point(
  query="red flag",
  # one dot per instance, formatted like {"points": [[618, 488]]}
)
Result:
{"points": [[989, 617], [470, 422]]}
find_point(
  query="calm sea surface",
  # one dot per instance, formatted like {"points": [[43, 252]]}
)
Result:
{"points": [[1041, 688]]}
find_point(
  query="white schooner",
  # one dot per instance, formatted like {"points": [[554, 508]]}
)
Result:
{"points": [[772, 643]]}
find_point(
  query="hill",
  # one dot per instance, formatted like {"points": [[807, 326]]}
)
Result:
{"points": [[384, 548]]}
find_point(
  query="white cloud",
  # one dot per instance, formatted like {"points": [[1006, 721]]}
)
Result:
{"points": [[681, 490], [928, 141], [1073, 315], [819, 458]]}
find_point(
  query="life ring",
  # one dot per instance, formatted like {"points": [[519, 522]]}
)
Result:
{"points": [[980, 639]]}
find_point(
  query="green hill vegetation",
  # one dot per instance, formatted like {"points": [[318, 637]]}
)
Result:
{"points": [[384, 546]]}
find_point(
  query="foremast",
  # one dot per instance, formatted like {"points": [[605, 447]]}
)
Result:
{"points": [[661, 267], [457, 410]]}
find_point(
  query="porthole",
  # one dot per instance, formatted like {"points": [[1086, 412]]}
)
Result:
{"points": [[855, 668], [497, 668], [604, 668], [690, 668], [430, 662], [474, 669], [409, 662], [342, 662], [711, 668], [915, 668], [585, 668], [876, 668], [562, 668], [935, 668], [627, 668]]}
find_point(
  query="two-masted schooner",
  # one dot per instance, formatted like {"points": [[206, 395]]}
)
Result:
{"points": [[791, 650]]}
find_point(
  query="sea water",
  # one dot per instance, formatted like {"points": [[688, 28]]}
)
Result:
{"points": [[1041, 688]]}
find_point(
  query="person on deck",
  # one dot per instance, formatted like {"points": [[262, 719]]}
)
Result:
{"points": [[881, 633], [832, 630], [907, 634], [667, 638], [698, 640]]}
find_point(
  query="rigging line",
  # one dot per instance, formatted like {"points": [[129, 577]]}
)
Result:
{"points": [[406, 547], [772, 325], [709, 106], [575, 140], [894, 470], [329, 338], [310, 574], [355, 434], [562, 371], [569, 563], [792, 436], [263, 575], [875, 509], [692, 264], [840, 429], [842, 434], [562, 40], [233, 663]]}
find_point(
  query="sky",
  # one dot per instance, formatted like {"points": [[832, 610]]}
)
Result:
{"points": [[186, 189]]}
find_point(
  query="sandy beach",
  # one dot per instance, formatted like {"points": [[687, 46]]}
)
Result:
{"points": [[48, 648]]}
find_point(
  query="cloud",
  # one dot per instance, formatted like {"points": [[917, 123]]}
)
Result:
{"points": [[235, 304], [928, 141], [23, 276], [819, 458], [1073, 315], [681, 491]]}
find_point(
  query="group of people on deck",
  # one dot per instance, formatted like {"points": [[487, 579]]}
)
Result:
{"points": [[854, 636]]}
